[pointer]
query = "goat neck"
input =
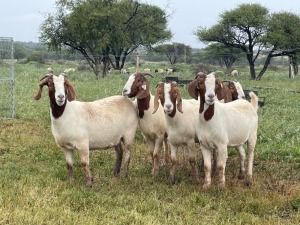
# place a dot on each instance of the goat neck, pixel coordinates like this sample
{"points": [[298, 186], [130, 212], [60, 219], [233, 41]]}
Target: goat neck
{"points": [[143, 104]]}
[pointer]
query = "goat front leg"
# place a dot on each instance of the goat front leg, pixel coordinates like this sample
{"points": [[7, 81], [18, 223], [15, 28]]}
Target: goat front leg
{"points": [[85, 163], [156, 156], [173, 163], [69, 162], [221, 164], [119, 157], [166, 151], [192, 160], [151, 146], [242, 156], [206, 153]]}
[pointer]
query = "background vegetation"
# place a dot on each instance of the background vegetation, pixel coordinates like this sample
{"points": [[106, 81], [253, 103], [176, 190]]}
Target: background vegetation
{"points": [[33, 187]]}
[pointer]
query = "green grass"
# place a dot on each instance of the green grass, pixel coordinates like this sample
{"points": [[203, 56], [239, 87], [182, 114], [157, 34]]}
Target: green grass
{"points": [[33, 174]]}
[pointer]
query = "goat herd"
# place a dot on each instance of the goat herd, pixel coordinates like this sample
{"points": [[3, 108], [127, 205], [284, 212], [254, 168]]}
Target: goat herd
{"points": [[217, 116]]}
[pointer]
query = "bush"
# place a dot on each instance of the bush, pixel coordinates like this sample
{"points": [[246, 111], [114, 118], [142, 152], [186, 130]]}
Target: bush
{"points": [[36, 57]]}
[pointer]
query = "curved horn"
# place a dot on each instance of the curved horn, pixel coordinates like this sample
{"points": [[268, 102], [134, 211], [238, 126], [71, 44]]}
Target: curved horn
{"points": [[148, 74]]}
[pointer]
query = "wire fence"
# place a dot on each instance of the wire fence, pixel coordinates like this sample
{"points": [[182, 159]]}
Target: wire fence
{"points": [[7, 84]]}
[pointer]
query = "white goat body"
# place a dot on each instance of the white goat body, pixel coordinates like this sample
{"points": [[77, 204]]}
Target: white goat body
{"points": [[85, 126], [221, 125], [180, 125], [153, 126], [100, 123]]}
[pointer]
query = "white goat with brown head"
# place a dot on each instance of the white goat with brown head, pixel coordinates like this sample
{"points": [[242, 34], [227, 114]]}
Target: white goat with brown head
{"points": [[152, 125], [181, 116], [221, 125], [86, 126]]}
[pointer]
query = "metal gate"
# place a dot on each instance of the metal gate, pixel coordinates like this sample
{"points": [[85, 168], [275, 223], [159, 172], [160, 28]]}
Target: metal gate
{"points": [[7, 84]]}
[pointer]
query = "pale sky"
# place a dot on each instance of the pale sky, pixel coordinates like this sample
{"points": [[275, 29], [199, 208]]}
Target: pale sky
{"points": [[21, 19]]}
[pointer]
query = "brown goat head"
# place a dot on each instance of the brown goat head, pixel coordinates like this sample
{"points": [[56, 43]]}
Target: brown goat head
{"points": [[169, 96], [48, 80]]}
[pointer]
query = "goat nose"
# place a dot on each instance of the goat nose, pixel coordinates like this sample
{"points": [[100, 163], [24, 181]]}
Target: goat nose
{"points": [[61, 96], [168, 106], [211, 95]]}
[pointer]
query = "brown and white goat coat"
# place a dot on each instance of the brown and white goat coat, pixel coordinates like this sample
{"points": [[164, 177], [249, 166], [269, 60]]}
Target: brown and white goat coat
{"points": [[221, 125], [86, 126], [153, 126], [181, 116]]}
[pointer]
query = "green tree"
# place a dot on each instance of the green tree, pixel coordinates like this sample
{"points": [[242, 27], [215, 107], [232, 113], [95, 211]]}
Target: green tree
{"points": [[174, 52], [225, 55], [98, 28], [19, 51], [240, 28], [252, 29], [283, 37]]}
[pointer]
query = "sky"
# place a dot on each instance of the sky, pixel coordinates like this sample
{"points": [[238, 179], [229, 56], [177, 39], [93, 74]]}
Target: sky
{"points": [[21, 19]]}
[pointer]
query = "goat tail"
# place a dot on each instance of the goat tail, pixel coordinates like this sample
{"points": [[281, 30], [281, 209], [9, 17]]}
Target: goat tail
{"points": [[253, 100]]}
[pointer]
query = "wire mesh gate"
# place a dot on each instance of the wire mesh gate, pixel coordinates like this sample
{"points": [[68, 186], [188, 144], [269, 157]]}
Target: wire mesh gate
{"points": [[7, 84]]}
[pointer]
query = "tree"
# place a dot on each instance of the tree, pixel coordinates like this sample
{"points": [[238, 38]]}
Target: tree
{"points": [[174, 51], [19, 51], [283, 37], [225, 55], [252, 29], [98, 28], [240, 28]]}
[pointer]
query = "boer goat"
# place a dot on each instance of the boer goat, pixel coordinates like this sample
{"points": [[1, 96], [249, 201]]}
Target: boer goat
{"points": [[152, 125], [86, 126], [221, 125], [181, 115]]}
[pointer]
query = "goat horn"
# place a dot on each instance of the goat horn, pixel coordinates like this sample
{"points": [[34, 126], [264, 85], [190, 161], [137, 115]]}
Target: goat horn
{"points": [[145, 74]]}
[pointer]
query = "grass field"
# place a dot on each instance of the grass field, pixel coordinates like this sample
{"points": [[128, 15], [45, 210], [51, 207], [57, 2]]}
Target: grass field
{"points": [[33, 174]]}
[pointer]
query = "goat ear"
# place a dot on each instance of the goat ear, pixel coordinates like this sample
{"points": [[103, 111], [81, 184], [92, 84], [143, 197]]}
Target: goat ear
{"points": [[143, 90], [156, 103], [179, 102], [44, 81], [71, 92], [192, 89]]}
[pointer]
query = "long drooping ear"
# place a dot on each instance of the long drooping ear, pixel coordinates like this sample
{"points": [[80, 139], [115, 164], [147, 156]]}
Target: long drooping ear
{"points": [[43, 82], [156, 103], [143, 90], [192, 88], [219, 83], [71, 92], [179, 101]]}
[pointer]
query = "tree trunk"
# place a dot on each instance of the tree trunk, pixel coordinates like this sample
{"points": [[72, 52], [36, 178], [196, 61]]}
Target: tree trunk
{"points": [[291, 68], [252, 68], [267, 62], [123, 59]]}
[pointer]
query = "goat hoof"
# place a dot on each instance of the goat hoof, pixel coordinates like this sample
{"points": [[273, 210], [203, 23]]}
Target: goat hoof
{"points": [[116, 173], [154, 172], [241, 176], [171, 180], [221, 186], [206, 186], [124, 174], [88, 182], [249, 181]]}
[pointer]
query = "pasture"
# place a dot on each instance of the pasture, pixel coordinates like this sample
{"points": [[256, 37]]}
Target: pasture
{"points": [[33, 173]]}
